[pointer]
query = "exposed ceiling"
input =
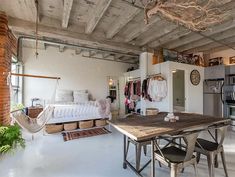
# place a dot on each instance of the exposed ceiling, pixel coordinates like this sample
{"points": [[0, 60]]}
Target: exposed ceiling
{"points": [[115, 25]]}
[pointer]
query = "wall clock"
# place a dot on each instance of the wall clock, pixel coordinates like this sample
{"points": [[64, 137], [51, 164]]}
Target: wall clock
{"points": [[195, 77]]}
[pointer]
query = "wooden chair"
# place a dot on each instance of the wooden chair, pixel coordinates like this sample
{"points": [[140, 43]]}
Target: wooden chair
{"points": [[212, 149], [177, 158]]}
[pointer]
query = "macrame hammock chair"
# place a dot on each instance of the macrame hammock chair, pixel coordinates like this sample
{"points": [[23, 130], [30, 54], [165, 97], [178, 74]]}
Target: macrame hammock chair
{"points": [[34, 125]]}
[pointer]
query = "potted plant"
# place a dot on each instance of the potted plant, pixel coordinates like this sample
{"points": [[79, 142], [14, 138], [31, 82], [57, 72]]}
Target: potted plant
{"points": [[10, 138]]}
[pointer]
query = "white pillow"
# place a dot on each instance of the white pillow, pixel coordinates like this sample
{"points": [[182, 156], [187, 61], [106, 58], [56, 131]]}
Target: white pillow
{"points": [[80, 91], [80, 97], [64, 96]]}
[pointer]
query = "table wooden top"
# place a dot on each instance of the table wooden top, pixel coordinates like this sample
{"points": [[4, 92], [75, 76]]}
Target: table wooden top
{"points": [[146, 127]]}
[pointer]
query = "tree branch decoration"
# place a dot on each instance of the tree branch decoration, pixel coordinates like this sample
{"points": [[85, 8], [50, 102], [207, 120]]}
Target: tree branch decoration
{"points": [[196, 15]]}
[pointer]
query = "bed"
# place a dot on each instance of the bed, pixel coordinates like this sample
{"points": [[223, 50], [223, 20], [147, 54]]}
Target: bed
{"points": [[70, 112], [74, 106]]}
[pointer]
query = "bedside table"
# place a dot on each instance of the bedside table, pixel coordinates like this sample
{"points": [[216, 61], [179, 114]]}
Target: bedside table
{"points": [[33, 112]]}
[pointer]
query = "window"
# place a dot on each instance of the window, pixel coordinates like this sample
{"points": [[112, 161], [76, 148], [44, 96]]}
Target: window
{"points": [[16, 82]]}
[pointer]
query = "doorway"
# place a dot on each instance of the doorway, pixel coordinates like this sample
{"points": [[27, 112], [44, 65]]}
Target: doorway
{"points": [[178, 90]]}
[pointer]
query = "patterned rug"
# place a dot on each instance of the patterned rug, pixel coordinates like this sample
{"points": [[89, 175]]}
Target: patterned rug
{"points": [[84, 133]]}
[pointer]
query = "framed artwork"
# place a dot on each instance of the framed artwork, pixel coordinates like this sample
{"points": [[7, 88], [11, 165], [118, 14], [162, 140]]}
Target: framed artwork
{"points": [[232, 60], [169, 55], [193, 59], [215, 61]]}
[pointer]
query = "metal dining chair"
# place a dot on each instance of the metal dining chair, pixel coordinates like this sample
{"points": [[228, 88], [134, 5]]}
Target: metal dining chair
{"points": [[177, 158], [212, 148]]}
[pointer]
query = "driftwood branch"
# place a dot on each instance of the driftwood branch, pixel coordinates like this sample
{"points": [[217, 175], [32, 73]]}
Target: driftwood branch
{"points": [[190, 13]]}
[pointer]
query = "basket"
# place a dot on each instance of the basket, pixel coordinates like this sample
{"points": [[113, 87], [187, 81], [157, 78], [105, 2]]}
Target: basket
{"points": [[70, 126], [86, 124], [152, 111], [100, 122], [54, 128]]}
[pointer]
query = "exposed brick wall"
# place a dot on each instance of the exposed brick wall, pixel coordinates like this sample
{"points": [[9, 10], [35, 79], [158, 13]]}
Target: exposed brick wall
{"points": [[7, 48]]}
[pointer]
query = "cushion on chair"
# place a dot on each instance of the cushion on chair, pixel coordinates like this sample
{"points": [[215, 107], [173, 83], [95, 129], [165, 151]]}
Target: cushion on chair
{"points": [[207, 145], [173, 154]]}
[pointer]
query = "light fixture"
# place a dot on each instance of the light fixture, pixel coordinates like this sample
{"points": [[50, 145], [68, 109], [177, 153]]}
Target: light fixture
{"points": [[193, 14], [110, 81], [174, 71]]}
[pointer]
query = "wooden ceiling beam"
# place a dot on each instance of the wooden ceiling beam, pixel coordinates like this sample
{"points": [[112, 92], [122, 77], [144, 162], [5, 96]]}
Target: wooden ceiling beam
{"points": [[163, 27], [229, 41], [142, 28], [96, 15], [195, 36], [122, 21], [216, 37], [171, 36], [28, 7], [27, 28], [66, 13], [218, 48]]}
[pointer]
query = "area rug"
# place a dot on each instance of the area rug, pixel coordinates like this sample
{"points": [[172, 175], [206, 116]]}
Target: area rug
{"points": [[84, 133]]}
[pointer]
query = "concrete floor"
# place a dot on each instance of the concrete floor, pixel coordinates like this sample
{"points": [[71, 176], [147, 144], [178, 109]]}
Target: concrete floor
{"points": [[99, 156]]}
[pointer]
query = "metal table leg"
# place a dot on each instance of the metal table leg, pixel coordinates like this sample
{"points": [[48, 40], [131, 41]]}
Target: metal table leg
{"points": [[124, 152], [152, 159], [216, 157]]}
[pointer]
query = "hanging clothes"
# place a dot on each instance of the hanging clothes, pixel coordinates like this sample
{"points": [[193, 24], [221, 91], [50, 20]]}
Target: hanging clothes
{"points": [[157, 89], [154, 88], [132, 92], [145, 87]]}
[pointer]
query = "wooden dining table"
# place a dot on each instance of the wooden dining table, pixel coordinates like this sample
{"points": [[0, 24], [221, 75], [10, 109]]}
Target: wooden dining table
{"points": [[148, 128]]}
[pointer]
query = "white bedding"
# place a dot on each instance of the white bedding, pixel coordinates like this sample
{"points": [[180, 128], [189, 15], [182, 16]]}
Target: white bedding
{"points": [[65, 112]]}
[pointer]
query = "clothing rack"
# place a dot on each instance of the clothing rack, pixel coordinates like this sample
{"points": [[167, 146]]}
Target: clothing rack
{"points": [[133, 79], [158, 75], [152, 75], [35, 76]]}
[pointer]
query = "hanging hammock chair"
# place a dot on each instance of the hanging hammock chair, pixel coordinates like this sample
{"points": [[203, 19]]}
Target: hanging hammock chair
{"points": [[33, 125]]}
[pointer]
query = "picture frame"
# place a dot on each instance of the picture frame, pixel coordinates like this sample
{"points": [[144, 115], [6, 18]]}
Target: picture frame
{"points": [[215, 61], [232, 60]]}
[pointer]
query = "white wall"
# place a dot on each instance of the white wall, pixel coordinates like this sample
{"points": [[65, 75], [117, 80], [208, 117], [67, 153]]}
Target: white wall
{"points": [[193, 94], [76, 72]]}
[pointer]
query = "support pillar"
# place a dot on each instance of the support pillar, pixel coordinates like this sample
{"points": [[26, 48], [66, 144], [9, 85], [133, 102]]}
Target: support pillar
{"points": [[7, 43]]}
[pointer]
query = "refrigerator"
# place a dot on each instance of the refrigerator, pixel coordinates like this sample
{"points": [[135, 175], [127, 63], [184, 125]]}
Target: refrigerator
{"points": [[213, 97]]}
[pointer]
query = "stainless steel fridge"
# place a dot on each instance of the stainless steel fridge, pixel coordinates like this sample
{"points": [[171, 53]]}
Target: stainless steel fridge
{"points": [[212, 97]]}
